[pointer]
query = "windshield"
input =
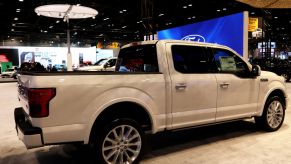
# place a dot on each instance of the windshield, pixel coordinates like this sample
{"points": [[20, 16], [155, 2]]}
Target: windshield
{"points": [[141, 58], [100, 62]]}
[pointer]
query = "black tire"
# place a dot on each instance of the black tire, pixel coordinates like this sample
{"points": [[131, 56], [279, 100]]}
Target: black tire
{"points": [[132, 139], [273, 114]]}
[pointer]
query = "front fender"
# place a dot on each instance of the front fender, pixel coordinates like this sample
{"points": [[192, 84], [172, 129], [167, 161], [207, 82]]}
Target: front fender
{"points": [[265, 92]]}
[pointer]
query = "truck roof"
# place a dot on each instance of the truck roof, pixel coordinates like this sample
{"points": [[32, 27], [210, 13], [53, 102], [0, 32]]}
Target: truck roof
{"points": [[175, 41]]}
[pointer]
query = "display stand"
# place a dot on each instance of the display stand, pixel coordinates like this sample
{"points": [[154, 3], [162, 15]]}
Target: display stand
{"points": [[66, 12]]}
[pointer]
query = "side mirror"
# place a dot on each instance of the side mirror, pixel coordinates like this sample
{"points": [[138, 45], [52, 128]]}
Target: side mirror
{"points": [[106, 65], [256, 70]]}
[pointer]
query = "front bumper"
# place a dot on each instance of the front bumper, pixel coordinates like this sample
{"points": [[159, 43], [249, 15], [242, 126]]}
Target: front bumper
{"points": [[29, 135]]}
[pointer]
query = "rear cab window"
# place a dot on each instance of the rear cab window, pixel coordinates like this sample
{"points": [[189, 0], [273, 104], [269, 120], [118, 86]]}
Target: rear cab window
{"points": [[191, 59], [142, 58]]}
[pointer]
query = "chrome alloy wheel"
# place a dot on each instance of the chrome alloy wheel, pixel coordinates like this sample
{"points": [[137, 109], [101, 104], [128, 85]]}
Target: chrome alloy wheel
{"points": [[122, 145], [275, 114]]}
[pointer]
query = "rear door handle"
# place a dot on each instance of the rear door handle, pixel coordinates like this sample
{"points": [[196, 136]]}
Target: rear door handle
{"points": [[180, 86], [224, 85]]}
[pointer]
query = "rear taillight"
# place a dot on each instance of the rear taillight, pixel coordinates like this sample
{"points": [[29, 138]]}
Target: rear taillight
{"points": [[38, 100]]}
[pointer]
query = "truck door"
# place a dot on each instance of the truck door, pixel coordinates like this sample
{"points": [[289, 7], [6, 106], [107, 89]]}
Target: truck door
{"points": [[237, 89], [194, 87]]}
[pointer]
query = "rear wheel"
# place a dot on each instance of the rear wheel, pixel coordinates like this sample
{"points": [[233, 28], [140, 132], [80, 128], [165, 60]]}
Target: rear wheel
{"points": [[273, 115], [120, 142]]}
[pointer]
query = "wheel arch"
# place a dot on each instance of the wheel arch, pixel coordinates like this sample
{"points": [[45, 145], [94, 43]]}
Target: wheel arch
{"points": [[276, 91], [122, 109]]}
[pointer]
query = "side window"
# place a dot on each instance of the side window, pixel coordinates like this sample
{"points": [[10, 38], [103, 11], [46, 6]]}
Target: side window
{"points": [[227, 62], [190, 59], [111, 62], [141, 58]]}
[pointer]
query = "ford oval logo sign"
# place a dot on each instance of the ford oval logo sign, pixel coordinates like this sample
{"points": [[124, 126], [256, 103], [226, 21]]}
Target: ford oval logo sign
{"points": [[195, 38]]}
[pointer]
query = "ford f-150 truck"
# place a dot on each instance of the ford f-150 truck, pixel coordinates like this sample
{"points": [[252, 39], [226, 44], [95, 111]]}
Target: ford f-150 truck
{"points": [[156, 86]]}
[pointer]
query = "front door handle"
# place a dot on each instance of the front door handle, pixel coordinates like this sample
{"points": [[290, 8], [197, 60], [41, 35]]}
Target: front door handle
{"points": [[180, 86], [224, 85]]}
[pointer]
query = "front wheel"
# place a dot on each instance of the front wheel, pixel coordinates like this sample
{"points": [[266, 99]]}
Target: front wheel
{"points": [[120, 142], [273, 114]]}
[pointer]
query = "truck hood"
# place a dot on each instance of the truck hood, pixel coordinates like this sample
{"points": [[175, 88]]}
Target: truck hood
{"points": [[90, 68], [272, 76]]}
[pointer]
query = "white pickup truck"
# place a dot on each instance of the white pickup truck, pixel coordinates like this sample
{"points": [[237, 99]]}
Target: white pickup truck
{"points": [[157, 86]]}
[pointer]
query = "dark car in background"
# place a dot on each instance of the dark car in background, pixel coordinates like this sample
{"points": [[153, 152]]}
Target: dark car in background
{"points": [[279, 66]]}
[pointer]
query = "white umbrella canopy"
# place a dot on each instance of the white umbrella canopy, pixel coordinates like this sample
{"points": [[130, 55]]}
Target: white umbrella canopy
{"points": [[280, 4], [66, 12]]}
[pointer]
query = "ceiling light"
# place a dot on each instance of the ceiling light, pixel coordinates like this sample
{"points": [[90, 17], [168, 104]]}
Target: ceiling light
{"points": [[45, 31], [51, 26], [16, 18], [190, 5], [17, 10], [84, 29], [93, 25], [218, 10], [13, 24], [224, 9], [193, 17], [124, 26], [189, 18], [57, 21], [276, 17], [184, 7], [12, 29], [282, 28], [252, 13], [120, 12], [20, 0], [124, 10], [161, 14]]}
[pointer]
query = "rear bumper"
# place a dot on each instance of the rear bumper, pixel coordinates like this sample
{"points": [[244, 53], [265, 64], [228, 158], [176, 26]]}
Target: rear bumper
{"points": [[29, 135]]}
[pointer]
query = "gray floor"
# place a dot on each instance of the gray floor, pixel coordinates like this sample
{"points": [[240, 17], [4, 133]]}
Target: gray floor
{"points": [[239, 142], [7, 80]]}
